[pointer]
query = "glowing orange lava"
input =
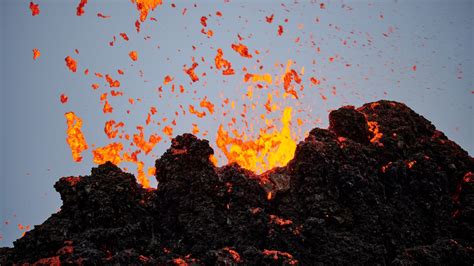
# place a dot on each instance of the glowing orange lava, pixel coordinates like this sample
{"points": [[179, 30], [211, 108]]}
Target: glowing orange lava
{"points": [[36, 54], [144, 6], [242, 50], [223, 64], [71, 63], [75, 138], [269, 150], [190, 72], [133, 55], [374, 128], [35, 10], [109, 153], [80, 7]]}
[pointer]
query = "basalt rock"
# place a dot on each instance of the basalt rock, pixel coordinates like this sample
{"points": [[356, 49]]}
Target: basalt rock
{"points": [[380, 186]]}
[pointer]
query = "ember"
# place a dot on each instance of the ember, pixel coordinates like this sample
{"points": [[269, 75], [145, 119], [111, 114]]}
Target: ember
{"points": [[71, 64], [36, 54], [35, 10]]}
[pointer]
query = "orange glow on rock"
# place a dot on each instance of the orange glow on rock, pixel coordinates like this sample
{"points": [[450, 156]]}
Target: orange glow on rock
{"points": [[275, 254], [374, 128], [213, 160], [23, 229], [75, 137]]}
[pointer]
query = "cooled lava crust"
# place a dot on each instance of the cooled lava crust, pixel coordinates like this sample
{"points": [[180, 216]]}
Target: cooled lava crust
{"points": [[396, 191]]}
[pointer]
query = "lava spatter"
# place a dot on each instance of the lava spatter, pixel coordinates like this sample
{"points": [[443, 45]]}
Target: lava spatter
{"points": [[75, 137]]}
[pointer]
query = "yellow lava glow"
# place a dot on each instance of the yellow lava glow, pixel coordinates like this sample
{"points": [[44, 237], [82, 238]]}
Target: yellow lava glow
{"points": [[75, 138], [269, 150], [109, 153]]}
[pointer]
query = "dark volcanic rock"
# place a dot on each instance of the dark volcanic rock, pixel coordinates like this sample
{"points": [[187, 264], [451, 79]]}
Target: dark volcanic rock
{"points": [[349, 123], [380, 186]]}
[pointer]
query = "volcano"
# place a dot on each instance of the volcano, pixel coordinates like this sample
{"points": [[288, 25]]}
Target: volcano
{"points": [[380, 186]]}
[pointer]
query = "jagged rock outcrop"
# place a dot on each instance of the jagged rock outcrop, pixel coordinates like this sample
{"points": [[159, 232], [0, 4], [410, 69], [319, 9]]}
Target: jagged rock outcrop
{"points": [[380, 186]]}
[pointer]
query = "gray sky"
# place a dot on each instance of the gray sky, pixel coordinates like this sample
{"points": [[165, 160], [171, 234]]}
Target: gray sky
{"points": [[436, 36]]}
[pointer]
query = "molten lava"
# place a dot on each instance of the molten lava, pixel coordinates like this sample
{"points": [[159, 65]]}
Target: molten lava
{"points": [[269, 150], [144, 6], [36, 54], [35, 9], [75, 137]]}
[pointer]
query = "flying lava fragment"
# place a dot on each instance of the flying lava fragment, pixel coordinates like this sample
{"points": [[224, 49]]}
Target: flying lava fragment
{"points": [[269, 19], [35, 10], [124, 36], [71, 63], [36, 54], [63, 98], [242, 50], [223, 64], [207, 104], [144, 6], [80, 7], [191, 73], [280, 30], [75, 137], [133, 55]]}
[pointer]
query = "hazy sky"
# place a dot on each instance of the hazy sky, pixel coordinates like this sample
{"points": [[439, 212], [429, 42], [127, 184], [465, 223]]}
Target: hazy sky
{"points": [[374, 45]]}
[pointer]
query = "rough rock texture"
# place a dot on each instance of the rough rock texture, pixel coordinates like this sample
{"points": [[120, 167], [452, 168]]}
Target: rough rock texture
{"points": [[380, 186]]}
